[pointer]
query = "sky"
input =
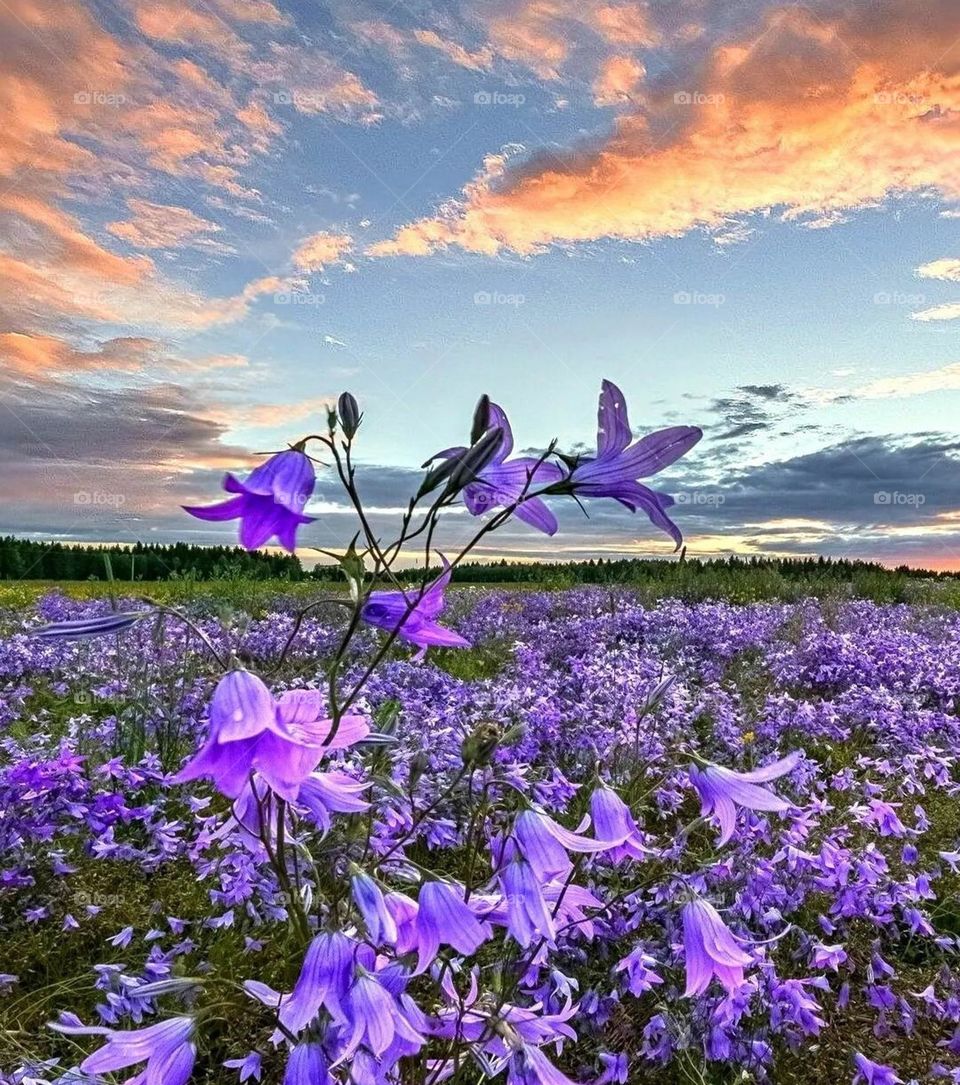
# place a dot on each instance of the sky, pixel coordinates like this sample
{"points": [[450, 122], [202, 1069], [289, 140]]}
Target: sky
{"points": [[216, 215]]}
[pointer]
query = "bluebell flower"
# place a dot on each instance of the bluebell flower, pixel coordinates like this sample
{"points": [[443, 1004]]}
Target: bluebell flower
{"points": [[270, 502], [618, 464]]}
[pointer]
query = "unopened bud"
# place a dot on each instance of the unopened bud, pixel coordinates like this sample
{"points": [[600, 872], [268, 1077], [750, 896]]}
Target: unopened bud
{"points": [[481, 419], [418, 766], [349, 413], [477, 456], [478, 746]]}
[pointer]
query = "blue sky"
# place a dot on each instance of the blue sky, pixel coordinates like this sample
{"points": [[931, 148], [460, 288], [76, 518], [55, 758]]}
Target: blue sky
{"points": [[214, 216]]}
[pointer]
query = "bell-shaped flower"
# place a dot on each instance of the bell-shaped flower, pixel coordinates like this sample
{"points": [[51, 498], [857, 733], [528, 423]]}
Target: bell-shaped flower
{"points": [[167, 1048], [612, 821], [502, 482], [371, 904], [375, 1019], [710, 949], [618, 464], [283, 740], [413, 616], [544, 844], [873, 1073], [527, 914], [722, 790], [270, 502], [443, 918], [323, 982], [97, 626], [323, 793], [307, 1065]]}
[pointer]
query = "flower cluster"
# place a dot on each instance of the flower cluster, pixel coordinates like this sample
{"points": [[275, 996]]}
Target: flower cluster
{"points": [[547, 876]]}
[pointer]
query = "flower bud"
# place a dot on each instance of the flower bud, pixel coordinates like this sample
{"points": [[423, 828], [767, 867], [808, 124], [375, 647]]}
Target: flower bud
{"points": [[481, 419], [473, 461], [349, 413], [479, 745], [436, 475]]}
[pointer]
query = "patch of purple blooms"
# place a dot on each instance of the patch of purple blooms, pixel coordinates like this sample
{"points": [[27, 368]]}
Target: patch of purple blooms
{"points": [[409, 876]]}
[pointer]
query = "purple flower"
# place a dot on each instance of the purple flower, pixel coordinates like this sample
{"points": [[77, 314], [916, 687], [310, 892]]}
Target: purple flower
{"points": [[165, 1047], [414, 616], [375, 1020], [307, 1065], [527, 911], [323, 981], [618, 463], [615, 1069], [710, 950], [544, 844], [612, 821], [82, 628], [721, 790], [248, 1067], [323, 793], [500, 483], [444, 919], [283, 739], [269, 503], [873, 1073], [371, 904]]}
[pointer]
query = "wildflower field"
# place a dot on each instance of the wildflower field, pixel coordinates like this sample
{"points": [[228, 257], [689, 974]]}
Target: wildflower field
{"points": [[127, 902], [403, 833]]}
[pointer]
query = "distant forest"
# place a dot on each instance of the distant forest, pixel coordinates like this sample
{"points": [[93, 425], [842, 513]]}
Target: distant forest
{"points": [[24, 559]]}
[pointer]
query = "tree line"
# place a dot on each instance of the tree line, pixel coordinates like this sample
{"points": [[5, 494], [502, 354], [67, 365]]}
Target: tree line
{"points": [[26, 559]]}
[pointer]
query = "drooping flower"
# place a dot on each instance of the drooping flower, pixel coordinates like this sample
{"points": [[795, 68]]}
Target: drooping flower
{"points": [[544, 844], [501, 482], [722, 790], [370, 902], [248, 1068], [323, 981], [269, 503], [283, 740], [167, 1049], [307, 1065], [97, 626], [527, 914], [414, 615], [323, 793], [443, 918], [710, 949], [612, 821], [873, 1073], [618, 464]]}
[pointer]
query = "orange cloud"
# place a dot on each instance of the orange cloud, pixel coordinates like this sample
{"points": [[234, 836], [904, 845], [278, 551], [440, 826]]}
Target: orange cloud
{"points": [[618, 81], [323, 248], [161, 226], [42, 355], [477, 61], [809, 116]]}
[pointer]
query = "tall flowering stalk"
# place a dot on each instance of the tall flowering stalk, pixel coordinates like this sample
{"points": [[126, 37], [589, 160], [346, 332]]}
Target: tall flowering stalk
{"points": [[409, 972]]}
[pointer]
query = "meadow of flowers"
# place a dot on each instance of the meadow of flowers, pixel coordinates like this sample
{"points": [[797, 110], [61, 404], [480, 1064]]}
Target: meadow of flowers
{"points": [[410, 835]]}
